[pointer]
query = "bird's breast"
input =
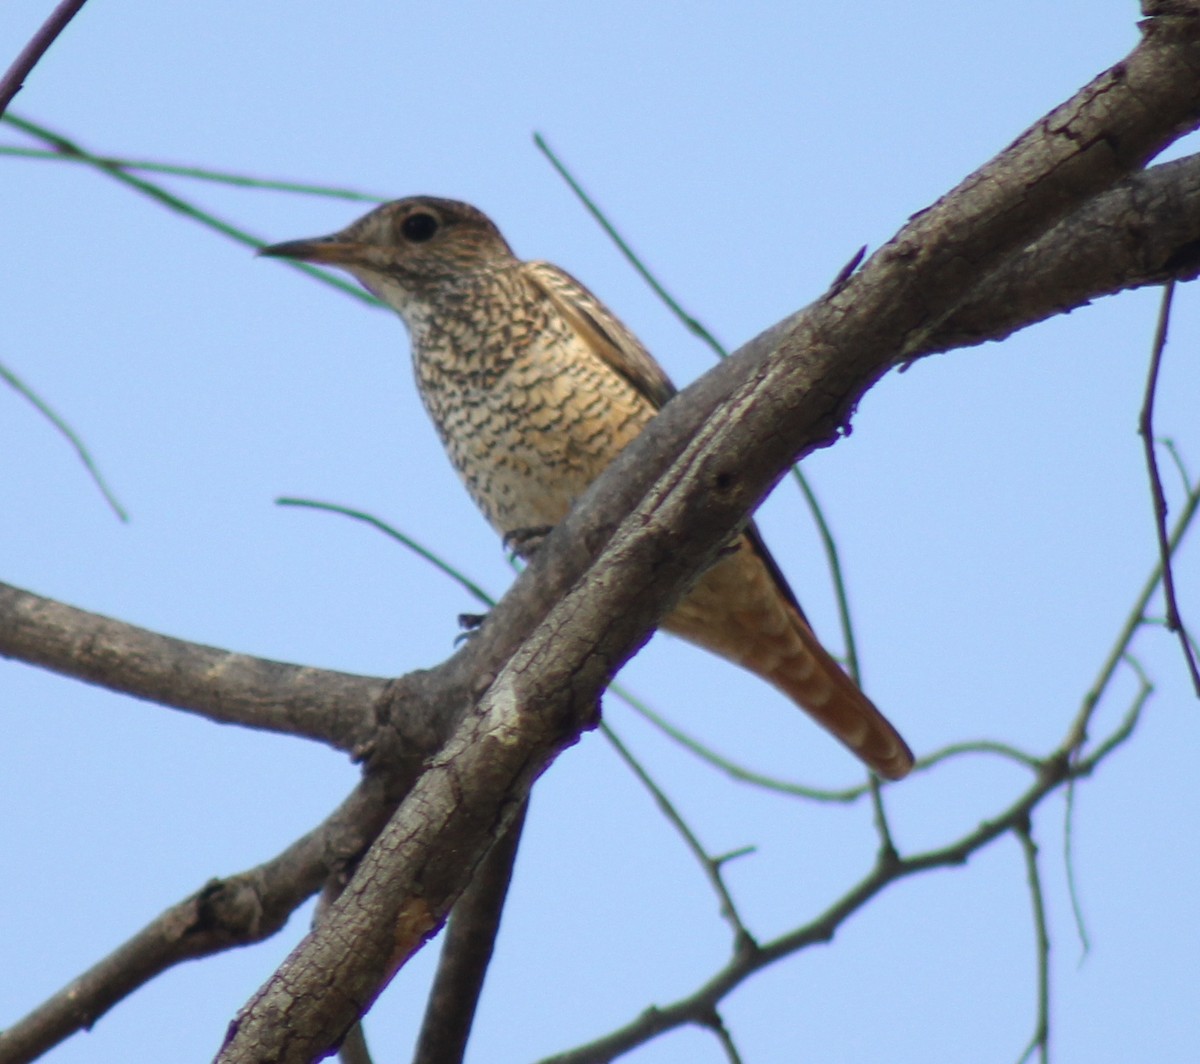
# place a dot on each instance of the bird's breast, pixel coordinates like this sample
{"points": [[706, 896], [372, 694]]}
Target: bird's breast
{"points": [[529, 427]]}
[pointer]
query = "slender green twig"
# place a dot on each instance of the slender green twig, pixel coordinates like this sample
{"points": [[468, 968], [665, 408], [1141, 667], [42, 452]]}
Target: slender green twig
{"points": [[978, 746], [692, 324], [198, 173], [1134, 621], [887, 845], [731, 768], [71, 436], [430, 556], [1123, 731], [70, 150], [833, 561], [1185, 478], [711, 865]]}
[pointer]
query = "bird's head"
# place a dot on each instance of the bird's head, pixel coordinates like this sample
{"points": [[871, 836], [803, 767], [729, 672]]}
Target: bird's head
{"points": [[406, 250]]}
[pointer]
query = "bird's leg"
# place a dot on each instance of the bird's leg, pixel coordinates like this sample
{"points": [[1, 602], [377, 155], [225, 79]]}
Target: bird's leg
{"points": [[470, 623], [524, 542]]}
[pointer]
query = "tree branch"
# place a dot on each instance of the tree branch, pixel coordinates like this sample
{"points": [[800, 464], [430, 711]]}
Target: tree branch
{"points": [[466, 953], [339, 709], [789, 392], [14, 77], [231, 911]]}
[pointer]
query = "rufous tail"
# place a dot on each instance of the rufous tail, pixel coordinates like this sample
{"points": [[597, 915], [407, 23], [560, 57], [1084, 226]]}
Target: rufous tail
{"points": [[743, 610]]}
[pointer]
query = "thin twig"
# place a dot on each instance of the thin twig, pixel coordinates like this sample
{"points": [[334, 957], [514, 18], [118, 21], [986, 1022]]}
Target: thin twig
{"points": [[71, 436], [430, 556], [716, 1024], [69, 149], [833, 562], [1134, 621], [1040, 1040], [14, 77], [978, 746], [1123, 731], [743, 940], [198, 173], [887, 846], [692, 324], [1185, 477], [731, 768], [1146, 430]]}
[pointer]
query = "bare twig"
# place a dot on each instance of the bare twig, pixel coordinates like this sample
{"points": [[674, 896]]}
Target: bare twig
{"points": [[1135, 620], [743, 940], [978, 746], [731, 768], [1129, 722], [1174, 621], [197, 173], [716, 1024], [1039, 1042], [692, 324], [72, 438], [887, 847], [70, 149], [434, 559], [14, 77]]}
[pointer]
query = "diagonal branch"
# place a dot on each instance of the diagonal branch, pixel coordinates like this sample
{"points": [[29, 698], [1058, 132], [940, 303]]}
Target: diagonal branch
{"points": [[14, 77], [723, 444], [231, 911]]}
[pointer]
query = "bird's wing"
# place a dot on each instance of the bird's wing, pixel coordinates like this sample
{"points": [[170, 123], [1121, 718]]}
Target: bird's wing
{"points": [[614, 343], [621, 350]]}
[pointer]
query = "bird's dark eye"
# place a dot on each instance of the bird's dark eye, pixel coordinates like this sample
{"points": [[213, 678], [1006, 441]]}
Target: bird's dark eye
{"points": [[419, 227]]}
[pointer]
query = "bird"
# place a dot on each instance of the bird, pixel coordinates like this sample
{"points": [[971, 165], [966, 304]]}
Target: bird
{"points": [[534, 386]]}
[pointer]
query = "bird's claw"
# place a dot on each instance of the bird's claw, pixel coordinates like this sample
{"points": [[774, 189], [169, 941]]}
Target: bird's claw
{"points": [[524, 542], [470, 623]]}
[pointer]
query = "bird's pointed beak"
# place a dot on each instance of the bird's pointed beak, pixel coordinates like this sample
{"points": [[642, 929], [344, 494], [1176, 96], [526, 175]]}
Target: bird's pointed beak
{"points": [[331, 250]]}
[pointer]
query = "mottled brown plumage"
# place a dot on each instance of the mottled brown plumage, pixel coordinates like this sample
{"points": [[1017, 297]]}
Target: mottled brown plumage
{"points": [[534, 387]]}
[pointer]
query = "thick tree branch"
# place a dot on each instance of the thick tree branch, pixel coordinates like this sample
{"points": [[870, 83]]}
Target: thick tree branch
{"points": [[1144, 231], [332, 707], [466, 953], [232, 911], [782, 402]]}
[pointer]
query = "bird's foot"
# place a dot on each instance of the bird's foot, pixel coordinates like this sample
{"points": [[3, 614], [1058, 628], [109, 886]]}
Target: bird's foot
{"points": [[524, 542], [470, 623]]}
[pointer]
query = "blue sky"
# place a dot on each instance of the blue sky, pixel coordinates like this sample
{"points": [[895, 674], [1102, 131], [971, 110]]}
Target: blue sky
{"points": [[991, 506]]}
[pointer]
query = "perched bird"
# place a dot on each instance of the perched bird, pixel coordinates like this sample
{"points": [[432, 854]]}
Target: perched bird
{"points": [[534, 387]]}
